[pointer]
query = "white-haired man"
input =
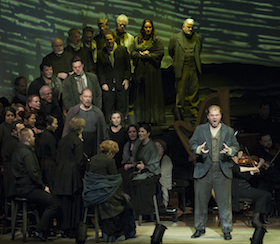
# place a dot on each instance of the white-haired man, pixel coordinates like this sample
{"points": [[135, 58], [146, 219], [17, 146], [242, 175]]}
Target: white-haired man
{"points": [[185, 48], [123, 38]]}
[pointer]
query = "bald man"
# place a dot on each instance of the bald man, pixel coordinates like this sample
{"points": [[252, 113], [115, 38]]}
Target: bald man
{"points": [[59, 59]]}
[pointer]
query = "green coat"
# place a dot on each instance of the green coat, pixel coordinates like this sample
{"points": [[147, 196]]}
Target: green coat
{"points": [[176, 51]]}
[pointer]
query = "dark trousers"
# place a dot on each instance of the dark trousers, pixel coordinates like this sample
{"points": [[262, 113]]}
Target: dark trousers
{"points": [[114, 100], [49, 204], [261, 198], [222, 187]]}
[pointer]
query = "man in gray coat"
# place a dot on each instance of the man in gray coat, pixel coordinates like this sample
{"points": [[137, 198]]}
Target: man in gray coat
{"points": [[214, 143], [185, 48], [74, 84]]}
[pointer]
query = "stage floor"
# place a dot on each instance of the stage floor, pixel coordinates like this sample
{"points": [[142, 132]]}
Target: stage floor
{"points": [[181, 232]]}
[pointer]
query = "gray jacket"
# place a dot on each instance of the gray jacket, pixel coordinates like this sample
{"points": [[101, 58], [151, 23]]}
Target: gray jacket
{"points": [[71, 96], [201, 134]]}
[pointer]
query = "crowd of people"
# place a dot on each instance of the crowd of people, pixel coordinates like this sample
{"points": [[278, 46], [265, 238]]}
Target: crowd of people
{"points": [[64, 138]]}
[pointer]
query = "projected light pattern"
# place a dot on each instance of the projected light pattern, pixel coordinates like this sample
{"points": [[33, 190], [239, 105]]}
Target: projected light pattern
{"points": [[233, 30]]}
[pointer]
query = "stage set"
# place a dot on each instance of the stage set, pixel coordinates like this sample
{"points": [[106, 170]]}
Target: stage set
{"points": [[240, 53]]}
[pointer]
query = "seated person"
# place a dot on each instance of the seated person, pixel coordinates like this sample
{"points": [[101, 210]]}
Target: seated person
{"points": [[102, 187], [145, 179], [267, 149], [241, 188], [128, 162], [29, 184], [166, 167], [264, 121]]}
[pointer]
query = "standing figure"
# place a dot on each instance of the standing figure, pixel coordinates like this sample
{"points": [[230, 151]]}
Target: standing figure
{"points": [[185, 48], [59, 60], [74, 84], [68, 182], [214, 143], [114, 74], [103, 25], [47, 151], [76, 48], [90, 44], [147, 53], [95, 130], [123, 38]]}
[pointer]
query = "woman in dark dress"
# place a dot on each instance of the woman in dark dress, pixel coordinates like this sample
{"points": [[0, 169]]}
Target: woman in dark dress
{"points": [[47, 151], [103, 188], [147, 53], [117, 133], [69, 174]]}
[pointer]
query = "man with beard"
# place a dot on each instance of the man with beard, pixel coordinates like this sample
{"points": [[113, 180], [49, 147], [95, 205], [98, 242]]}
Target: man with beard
{"points": [[59, 59], [76, 48], [214, 143], [29, 182], [77, 82], [123, 38], [185, 48], [47, 78], [95, 130]]}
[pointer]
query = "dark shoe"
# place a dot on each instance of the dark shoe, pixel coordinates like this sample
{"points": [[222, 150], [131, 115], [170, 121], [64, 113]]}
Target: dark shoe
{"points": [[40, 236], [198, 233], [227, 236], [265, 221]]}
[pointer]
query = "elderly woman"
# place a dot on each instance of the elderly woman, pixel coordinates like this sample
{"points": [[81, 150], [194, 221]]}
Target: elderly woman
{"points": [[148, 173], [68, 182], [103, 188], [147, 53]]}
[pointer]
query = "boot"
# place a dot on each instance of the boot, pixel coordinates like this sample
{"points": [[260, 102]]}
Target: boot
{"points": [[258, 235], [158, 234]]}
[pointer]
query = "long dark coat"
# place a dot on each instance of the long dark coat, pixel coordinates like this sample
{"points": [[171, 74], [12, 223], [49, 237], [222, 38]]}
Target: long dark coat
{"points": [[70, 169], [149, 101]]}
